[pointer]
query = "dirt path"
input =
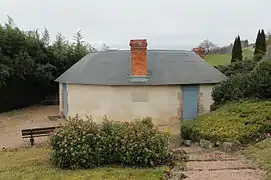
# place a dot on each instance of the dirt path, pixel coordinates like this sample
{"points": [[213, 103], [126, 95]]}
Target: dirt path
{"points": [[216, 165], [11, 124]]}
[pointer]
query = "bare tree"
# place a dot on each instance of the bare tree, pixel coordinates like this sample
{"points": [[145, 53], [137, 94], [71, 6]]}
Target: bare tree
{"points": [[78, 38], [245, 43], [92, 49], [104, 47], [100, 48], [11, 22], [207, 45]]}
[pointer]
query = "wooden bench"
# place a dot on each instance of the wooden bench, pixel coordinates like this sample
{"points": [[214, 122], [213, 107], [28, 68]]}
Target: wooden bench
{"points": [[37, 132]]}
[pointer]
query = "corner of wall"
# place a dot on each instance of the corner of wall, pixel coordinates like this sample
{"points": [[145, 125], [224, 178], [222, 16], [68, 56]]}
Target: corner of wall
{"points": [[180, 98], [200, 105], [60, 98], [205, 98]]}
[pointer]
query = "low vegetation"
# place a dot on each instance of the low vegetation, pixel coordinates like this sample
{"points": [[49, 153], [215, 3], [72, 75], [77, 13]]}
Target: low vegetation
{"points": [[237, 67], [86, 144], [242, 122], [34, 163], [248, 53], [244, 83], [261, 154]]}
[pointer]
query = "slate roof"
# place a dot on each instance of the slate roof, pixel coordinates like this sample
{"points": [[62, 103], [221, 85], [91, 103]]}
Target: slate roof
{"points": [[165, 67]]}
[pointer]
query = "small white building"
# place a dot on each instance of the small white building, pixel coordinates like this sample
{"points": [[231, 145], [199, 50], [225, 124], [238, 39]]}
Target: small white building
{"points": [[167, 85]]}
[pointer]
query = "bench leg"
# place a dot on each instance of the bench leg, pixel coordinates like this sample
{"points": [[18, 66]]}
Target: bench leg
{"points": [[32, 141]]}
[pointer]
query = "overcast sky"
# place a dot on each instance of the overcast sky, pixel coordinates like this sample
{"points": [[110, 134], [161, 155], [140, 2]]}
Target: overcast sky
{"points": [[178, 24]]}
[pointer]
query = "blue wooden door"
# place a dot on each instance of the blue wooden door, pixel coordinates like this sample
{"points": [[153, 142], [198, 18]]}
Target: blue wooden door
{"points": [[65, 100], [190, 102]]}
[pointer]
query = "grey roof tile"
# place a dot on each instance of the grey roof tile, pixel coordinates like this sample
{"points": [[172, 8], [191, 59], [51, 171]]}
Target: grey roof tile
{"points": [[165, 67]]}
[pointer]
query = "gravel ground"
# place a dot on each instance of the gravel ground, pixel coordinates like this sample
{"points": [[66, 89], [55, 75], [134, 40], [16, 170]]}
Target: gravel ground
{"points": [[11, 124]]}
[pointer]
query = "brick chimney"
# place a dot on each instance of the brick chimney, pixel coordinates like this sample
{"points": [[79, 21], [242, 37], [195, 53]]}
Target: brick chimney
{"points": [[199, 51], [138, 57]]}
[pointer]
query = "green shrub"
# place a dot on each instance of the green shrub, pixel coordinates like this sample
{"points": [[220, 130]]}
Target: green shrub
{"points": [[188, 130], [147, 121], [242, 86], [260, 153], [86, 144], [237, 121], [237, 67]]}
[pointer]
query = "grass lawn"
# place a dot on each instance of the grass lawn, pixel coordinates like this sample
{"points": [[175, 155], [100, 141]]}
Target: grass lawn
{"points": [[33, 164], [218, 59], [248, 52], [261, 153], [222, 59]]}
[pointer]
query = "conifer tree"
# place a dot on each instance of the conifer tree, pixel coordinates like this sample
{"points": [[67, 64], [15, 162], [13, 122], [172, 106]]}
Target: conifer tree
{"points": [[46, 37], [263, 42], [237, 50], [260, 46], [233, 53], [257, 44]]}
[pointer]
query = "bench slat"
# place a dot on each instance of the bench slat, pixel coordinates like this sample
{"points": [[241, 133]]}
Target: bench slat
{"points": [[37, 131], [40, 135]]}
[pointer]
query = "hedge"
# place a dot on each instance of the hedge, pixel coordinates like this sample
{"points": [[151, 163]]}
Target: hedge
{"points": [[236, 121]]}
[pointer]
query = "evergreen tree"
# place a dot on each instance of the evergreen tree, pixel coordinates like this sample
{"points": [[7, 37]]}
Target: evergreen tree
{"points": [[263, 42], [257, 44], [237, 50], [260, 46], [233, 54], [46, 37], [29, 63]]}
